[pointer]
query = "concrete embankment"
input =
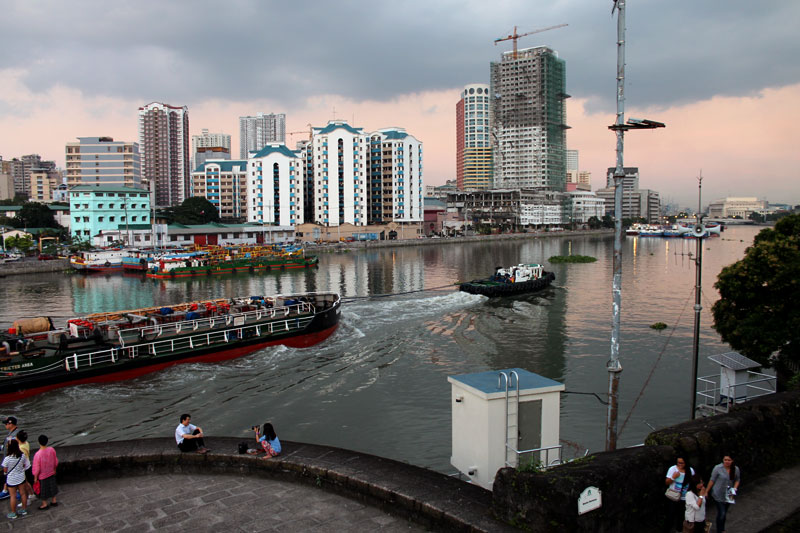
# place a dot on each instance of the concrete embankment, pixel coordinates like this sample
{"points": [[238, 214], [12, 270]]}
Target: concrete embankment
{"points": [[34, 267], [424, 497], [358, 245]]}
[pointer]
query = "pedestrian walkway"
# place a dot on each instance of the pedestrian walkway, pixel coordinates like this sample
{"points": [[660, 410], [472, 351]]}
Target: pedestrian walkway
{"points": [[196, 502], [763, 502]]}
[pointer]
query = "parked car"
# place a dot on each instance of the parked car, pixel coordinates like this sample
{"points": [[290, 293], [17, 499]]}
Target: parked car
{"points": [[46, 257]]}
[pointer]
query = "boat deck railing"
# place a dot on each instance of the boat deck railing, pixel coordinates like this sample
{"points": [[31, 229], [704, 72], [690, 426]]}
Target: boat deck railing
{"points": [[714, 398], [218, 338], [154, 331]]}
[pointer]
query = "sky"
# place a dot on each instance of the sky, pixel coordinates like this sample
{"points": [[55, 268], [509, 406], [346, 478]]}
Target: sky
{"points": [[723, 75]]}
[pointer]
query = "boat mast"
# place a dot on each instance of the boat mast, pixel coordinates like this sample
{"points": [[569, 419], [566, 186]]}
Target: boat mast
{"points": [[699, 233]]}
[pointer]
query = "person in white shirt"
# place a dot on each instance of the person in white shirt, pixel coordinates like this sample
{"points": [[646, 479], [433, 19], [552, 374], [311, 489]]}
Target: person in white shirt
{"points": [[695, 518], [189, 437]]}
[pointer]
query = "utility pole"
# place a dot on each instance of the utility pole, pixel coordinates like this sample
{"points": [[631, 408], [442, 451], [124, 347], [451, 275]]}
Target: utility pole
{"points": [[613, 365], [699, 233]]}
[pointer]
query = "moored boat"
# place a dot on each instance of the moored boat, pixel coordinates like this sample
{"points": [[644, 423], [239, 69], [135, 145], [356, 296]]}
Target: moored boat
{"points": [[98, 260], [35, 357], [224, 261], [517, 279]]}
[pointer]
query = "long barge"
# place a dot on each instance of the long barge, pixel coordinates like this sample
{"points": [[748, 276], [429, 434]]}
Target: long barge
{"points": [[36, 357]]}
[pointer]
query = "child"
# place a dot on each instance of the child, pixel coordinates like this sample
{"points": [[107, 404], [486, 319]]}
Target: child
{"points": [[14, 466], [44, 471]]}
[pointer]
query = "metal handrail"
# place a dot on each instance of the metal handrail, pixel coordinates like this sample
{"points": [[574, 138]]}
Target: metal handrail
{"points": [[547, 463], [154, 348], [715, 400], [209, 322]]}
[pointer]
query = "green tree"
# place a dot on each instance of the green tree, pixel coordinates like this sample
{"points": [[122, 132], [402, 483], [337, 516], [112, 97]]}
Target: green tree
{"points": [[35, 215], [23, 244], [757, 313], [757, 217], [594, 223], [194, 210], [608, 221]]}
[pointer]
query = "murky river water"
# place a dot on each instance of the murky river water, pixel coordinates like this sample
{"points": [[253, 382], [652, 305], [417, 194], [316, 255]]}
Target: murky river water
{"points": [[379, 384]]}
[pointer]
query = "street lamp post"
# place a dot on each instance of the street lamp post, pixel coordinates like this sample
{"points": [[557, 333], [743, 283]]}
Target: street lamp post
{"points": [[613, 365]]}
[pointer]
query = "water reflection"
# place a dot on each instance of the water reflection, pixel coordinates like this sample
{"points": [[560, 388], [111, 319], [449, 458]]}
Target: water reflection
{"points": [[387, 365]]}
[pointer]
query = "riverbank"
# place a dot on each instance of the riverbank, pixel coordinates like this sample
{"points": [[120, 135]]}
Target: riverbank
{"points": [[360, 245], [32, 266]]}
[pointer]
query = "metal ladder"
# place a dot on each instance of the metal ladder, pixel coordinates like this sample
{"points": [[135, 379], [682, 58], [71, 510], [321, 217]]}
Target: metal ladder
{"points": [[509, 381]]}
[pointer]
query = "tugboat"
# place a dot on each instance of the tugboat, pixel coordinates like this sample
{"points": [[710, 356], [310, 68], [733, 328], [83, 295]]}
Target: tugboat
{"points": [[35, 356], [517, 279]]}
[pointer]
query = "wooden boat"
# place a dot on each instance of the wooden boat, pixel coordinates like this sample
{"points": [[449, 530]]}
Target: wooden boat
{"points": [[519, 279], [224, 261], [35, 357]]}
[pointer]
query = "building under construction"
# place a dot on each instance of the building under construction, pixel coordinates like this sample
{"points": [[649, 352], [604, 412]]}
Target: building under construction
{"points": [[528, 119]]}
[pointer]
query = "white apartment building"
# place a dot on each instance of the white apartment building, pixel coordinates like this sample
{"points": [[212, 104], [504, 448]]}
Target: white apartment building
{"points": [[395, 177], [338, 162], [258, 131], [275, 188]]}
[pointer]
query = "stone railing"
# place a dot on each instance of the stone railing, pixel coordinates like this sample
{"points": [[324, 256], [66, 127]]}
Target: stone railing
{"points": [[761, 435]]}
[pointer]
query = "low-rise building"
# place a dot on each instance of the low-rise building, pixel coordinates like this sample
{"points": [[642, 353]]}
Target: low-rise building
{"points": [[585, 205], [98, 209], [740, 207]]}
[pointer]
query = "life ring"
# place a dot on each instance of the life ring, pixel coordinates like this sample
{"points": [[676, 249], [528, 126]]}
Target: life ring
{"points": [[106, 264]]}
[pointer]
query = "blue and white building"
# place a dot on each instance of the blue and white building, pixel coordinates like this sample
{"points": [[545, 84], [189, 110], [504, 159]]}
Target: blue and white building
{"points": [[338, 174], [224, 184], [395, 177], [275, 187]]}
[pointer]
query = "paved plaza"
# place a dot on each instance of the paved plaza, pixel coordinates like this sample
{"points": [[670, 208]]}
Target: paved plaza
{"points": [[194, 502]]}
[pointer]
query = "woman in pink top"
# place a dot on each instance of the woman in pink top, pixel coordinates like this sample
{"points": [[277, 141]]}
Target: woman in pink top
{"points": [[44, 471]]}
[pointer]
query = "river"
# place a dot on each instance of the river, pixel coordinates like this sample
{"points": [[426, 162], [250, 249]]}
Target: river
{"points": [[379, 384]]}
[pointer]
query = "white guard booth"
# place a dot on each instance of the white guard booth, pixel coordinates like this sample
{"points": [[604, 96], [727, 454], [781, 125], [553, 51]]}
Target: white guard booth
{"points": [[503, 418]]}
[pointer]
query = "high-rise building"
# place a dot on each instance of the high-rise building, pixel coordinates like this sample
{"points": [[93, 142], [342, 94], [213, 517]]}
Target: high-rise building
{"points": [[275, 188], [339, 158], [629, 182], [473, 146], [395, 178], [21, 171], [102, 161], [258, 131], [210, 146], [528, 119], [224, 184], [164, 145], [6, 180], [572, 160]]}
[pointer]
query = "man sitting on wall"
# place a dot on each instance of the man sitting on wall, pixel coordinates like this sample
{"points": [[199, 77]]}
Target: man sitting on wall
{"points": [[189, 437]]}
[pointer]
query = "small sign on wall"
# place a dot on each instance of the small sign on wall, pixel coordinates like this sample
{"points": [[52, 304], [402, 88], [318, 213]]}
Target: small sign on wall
{"points": [[589, 500]]}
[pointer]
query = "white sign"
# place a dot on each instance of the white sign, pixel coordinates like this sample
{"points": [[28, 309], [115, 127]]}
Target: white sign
{"points": [[589, 500]]}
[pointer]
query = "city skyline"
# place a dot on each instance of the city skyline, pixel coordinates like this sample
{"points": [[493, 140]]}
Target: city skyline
{"points": [[707, 70]]}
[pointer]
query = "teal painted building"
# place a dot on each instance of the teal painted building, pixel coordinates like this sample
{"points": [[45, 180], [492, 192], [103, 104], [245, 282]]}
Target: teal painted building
{"points": [[95, 210]]}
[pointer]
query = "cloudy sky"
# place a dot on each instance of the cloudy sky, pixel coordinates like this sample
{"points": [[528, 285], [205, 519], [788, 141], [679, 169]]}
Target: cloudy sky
{"points": [[724, 76]]}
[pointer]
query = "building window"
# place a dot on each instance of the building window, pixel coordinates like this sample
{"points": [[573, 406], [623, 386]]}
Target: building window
{"points": [[111, 219], [99, 219]]}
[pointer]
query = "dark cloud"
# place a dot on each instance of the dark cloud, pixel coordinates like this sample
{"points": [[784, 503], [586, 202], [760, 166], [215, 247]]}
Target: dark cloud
{"points": [[190, 51]]}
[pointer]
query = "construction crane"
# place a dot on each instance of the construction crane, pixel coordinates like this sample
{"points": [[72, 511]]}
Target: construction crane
{"points": [[308, 132], [514, 36]]}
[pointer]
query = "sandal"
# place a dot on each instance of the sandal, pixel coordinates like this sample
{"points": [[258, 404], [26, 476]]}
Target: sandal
{"points": [[46, 507]]}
